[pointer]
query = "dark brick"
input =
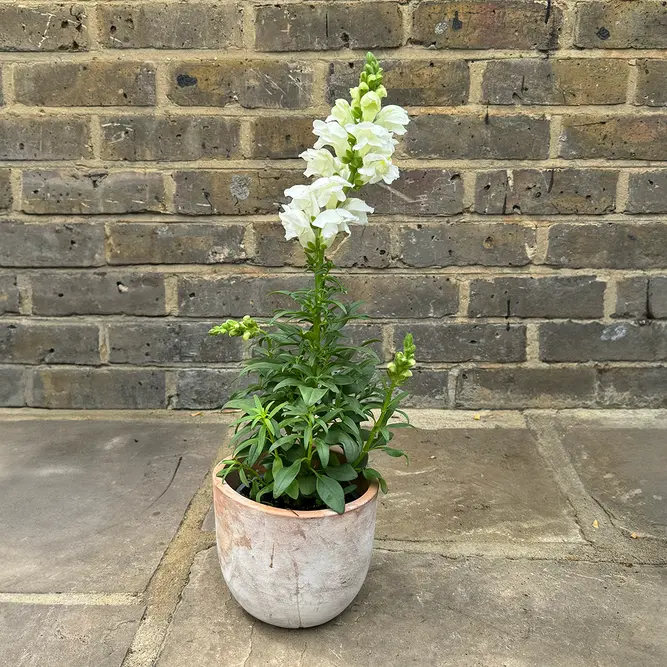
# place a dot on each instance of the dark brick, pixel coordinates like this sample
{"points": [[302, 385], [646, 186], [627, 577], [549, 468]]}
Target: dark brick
{"points": [[465, 244], [98, 389], [238, 192], [632, 297], [614, 138], [169, 138], [657, 296], [175, 243], [167, 342], [12, 386], [46, 138], [42, 343], [428, 389], [465, 342], [368, 247], [478, 137], [249, 83], [512, 388], [356, 333], [552, 296], [91, 192], [319, 27], [91, 84], [503, 24], [281, 137], [98, 293], [51, 244], [621, 25], [608, 245], [592, 341], [418, 192], [2, 99], [170, 26], [651, 90], [408, 82], [9, 294], [546, 192], [648, 192], [205, 388], [43, 27], [5, 190], [644, 387]]}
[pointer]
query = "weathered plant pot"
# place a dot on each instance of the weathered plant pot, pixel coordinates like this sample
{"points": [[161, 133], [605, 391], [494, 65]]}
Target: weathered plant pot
{"points": [[293, 569]]}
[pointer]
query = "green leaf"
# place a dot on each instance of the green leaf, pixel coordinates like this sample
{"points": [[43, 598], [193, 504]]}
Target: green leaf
{"points": [[396, 453], [307, 485], [284, 477], [266, 489], [331, 493], [342, 473], [311, 395], [371, 474], [322, 452], [293, 490]]}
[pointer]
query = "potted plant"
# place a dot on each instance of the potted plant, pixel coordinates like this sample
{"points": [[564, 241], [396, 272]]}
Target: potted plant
{"points": [[295, 503]]}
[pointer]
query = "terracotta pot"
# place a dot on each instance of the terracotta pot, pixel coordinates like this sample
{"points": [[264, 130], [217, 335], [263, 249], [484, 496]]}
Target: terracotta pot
{"points": [[288, 568]]}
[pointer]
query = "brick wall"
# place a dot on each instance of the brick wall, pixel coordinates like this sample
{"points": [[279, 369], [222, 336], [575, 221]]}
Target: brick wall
{"points": [[144, 147]]}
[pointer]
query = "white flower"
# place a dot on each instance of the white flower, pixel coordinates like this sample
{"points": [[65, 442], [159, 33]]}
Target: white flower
{"points": [[393, 118], [331, 134], [342, 113], [303, 199], [322, 163], [297, 225], [328, 192], [359, 209], [333, 221], [370, 106], [372, 138], [378, 168]]}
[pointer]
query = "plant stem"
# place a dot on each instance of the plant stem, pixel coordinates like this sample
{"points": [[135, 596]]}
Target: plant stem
{"points": [[383, 417]]}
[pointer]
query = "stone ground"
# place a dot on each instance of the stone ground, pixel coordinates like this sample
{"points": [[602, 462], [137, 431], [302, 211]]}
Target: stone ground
{"points": [[518, 539]]}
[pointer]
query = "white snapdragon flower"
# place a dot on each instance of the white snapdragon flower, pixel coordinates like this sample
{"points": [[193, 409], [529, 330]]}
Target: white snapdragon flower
{"points": [[359, 208], [303, 199], [372, 138], [297, 225], [333, 221], [329, 192], [370, 106], [331, 134], [322, 163], [378, 167], [393, 118], [341, 113]]}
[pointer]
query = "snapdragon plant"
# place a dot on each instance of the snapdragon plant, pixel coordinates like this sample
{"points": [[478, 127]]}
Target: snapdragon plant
{"points": [[319, 405]]}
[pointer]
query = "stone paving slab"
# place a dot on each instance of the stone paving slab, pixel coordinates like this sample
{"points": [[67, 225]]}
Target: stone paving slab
{"points": [[90, 506], [66, 636], [427, 610], [471, 484]]}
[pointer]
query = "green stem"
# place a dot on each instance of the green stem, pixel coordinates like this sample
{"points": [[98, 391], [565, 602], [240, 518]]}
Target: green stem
{"points": [[382, 419]]}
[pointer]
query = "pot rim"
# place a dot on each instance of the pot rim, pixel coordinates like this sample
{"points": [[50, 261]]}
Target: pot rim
{"points": [[368, 496]]}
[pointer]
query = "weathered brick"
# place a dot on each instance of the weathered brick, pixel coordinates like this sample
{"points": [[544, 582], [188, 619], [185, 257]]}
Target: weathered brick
{"points": [[356, 333], [51, 244], [44, 138], [418, 192], [169, 138], [167, 342], [511, 388], [98, 389], [420, 296], [563, 81], [9, 294], [647, 192], [161, 25], [621, 25], [608, 245], [319, 27], [552, 296], [91, 192], [657, 296], [93, 83], [98, 293], [12, 386], [2, 98], [546, 192], [49, 343], [281, 137], [644, 387], [632, 297], [5, 190], [368, 247], [465, 244], [651, 90], [477, 137], [503, 24], [428, 389], [465, 342], [205, 388], [408, 82], [43, 27], [238, 192], [175, 243], [250, 83], [614, 137], [592, 341]]}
